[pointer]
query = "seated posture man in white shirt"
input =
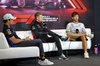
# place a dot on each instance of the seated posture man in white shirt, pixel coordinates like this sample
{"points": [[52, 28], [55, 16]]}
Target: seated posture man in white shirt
{"points": [[76, 32]]}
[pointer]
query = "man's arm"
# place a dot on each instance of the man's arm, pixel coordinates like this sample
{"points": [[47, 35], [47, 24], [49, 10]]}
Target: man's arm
{"points": [[34, 31], [14, 40], [75, 35]]}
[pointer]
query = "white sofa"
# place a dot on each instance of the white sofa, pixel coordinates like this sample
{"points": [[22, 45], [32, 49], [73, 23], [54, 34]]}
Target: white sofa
{"points": [[7, 52], [66, 45]]}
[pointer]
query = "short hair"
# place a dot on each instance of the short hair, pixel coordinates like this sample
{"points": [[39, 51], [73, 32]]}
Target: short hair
{"points": [[74, 13], [37, 14], [4, 21]]}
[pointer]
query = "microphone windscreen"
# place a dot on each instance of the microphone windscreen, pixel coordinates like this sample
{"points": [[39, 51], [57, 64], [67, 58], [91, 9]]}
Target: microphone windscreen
{"points": [[77, 31]]}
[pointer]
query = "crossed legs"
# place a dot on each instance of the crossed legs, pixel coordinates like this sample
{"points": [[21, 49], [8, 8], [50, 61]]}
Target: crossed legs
{"points": [[73, 37]]}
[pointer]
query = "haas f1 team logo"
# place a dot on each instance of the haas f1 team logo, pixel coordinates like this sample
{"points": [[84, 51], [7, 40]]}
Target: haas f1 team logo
{"points": [[24, 18]]}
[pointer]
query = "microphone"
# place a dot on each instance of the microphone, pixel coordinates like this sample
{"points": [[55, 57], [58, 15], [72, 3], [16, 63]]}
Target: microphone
{"points": [[77, 31]]}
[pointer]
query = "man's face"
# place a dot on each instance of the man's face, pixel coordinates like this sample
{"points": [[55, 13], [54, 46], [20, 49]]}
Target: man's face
{"points": [[10, 21], [75, 18], [40, 18]]}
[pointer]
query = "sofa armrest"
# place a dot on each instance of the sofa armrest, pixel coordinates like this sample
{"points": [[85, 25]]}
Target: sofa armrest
{"points": [[19, 52]]}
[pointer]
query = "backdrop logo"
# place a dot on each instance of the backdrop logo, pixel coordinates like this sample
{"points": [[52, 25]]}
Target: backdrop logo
{"points": [[29, 18], [24, 18], [77, 4]]}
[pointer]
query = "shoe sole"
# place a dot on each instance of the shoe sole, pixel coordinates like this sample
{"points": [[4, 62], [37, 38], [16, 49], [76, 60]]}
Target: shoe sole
{"points": [[46, 64], [86, 57], [62, 59]]}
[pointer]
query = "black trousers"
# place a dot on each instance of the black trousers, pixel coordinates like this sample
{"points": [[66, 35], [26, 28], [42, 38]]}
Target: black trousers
{"points": [[55, 38], [35, 42]]}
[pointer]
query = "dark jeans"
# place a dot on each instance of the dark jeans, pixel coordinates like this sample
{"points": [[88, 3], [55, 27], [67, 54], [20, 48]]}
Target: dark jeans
{"points": [[35, 42], [55, 38]]}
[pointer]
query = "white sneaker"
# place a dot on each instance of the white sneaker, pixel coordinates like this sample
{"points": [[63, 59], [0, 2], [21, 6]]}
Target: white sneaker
{"points": [[64, 38], [90, 35], [86, 55], [46, 62], [39, 61]]}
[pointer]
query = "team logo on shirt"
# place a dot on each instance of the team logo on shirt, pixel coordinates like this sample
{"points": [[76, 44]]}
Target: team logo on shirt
{"points": [[8, 31], [38, 26], [33, 28]]}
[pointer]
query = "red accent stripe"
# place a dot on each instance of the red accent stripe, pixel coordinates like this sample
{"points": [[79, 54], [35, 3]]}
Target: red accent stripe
{"points": [[19, 20], [42, 22], [81, 4], [22, 16], [71, 3], [34, 35], [30, 19], [76, 4], [59, 18]]}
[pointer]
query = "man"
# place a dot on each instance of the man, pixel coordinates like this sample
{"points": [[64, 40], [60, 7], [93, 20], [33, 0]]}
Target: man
{"points": [[76, 32], [41, 32], [15, 41]]}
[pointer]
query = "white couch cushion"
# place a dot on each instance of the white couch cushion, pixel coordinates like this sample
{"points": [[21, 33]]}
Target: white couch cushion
{"points": [[3, 41], [7, 52], [70, 44], [46, 47], [19, 52], [24, 34], [66, 45]]}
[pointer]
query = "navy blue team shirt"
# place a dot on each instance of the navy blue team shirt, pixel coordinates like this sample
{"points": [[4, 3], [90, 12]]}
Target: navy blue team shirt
{"points": [[9, 32]]}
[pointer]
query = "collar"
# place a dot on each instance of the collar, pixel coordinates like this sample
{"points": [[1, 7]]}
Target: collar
{"points": [[38, 22], [7, 26]]}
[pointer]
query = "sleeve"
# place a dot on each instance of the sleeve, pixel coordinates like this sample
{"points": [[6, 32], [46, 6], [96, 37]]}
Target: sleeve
{"points": [[83, 28], [17, 37], [68, 28], [34, 31], [9, 33]]}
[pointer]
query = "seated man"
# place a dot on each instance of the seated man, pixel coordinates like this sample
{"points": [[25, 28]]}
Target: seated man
{"points": [[15, 41], [41, 32], [76, 32]]}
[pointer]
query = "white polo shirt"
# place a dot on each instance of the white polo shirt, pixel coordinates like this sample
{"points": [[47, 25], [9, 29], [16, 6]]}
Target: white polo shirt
{"points": [[71, 27]]}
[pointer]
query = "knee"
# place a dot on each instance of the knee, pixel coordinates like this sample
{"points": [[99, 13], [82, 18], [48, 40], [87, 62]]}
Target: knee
{"points": [[39, 41], [83, 37], [55, 37]]}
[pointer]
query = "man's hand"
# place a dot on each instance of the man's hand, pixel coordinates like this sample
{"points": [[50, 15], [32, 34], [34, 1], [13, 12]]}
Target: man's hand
{"points": [[27, 38]]}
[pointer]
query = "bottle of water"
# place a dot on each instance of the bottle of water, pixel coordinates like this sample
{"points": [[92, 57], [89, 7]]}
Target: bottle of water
{"points": [[96, 49]]}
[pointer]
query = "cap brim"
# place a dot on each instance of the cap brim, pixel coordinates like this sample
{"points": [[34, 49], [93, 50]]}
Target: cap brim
{"points": [[13, 18]]}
